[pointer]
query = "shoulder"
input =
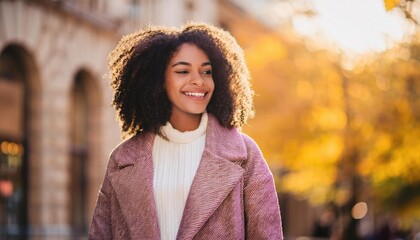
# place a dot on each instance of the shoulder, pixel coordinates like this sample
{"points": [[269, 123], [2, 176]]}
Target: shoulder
{"points": [[253, 151], [256, 167], [225, 143], [249, 142], [231, 143]]}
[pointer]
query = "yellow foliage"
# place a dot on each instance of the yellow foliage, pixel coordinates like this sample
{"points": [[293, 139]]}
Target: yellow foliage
{"points": [[311, 182], [329, 118], [391, 4], [266, 50], [406, 159], [303, 63], [314, 168], [358, 91], [304, 110], [379, 148], [301, 118], [304, 89], [387, 161]]}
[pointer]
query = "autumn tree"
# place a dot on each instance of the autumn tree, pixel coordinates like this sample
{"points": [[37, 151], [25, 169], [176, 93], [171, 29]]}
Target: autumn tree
{"points": [[340, 136], [335, 135]]}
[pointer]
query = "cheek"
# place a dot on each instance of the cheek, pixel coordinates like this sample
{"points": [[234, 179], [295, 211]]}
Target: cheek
{"points": [[170, 88], [168, 83], [212, 85]]}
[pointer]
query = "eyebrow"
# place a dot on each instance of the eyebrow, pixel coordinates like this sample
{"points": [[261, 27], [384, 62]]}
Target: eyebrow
{"points": [[189, 64]]}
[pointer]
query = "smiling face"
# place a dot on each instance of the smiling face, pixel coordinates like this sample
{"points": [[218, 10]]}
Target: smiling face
{"points": [[189, 85]]}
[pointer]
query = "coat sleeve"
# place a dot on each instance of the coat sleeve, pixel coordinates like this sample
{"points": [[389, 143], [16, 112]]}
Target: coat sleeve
{"points": [[101, 226], [262, 211]]}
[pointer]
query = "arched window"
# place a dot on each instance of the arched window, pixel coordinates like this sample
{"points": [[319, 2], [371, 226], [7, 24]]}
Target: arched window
{"points": [[79, 153], [14, 99], [84, 144]]}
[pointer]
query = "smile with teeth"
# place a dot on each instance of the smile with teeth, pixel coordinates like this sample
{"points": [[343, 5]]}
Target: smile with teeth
{"points": [[195, 94]]}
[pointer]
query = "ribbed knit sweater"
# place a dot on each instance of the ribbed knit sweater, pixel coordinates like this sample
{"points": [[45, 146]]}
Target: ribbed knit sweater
{"points": [[175, 163]]}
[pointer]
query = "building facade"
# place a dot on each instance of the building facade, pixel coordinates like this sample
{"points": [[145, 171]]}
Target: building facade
{"points": [[56, 123]]}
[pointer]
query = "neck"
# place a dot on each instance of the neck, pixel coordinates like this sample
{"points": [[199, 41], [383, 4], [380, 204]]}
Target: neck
{"points": [[184, 123]]}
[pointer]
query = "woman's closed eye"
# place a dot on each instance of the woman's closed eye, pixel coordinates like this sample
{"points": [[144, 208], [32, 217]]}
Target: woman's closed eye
{"points": [[182, 72], [207, 72]]}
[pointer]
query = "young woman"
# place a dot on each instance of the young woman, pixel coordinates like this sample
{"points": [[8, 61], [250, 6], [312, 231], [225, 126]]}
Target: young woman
{"points": [[186, 171]]}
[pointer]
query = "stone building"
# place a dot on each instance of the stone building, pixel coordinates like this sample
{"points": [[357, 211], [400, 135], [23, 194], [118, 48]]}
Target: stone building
{"points": [[56, 123]]}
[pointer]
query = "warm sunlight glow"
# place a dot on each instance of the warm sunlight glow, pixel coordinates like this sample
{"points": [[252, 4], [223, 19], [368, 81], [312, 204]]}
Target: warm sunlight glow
{"points": [[354, 26]]}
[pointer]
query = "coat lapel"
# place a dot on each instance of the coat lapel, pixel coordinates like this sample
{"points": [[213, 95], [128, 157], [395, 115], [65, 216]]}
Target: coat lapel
{"points": [[218, 173], [133, 185]]}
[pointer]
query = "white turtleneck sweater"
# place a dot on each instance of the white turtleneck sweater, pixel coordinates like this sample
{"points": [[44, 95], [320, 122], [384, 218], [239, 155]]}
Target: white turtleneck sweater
{"points": [[175, 164]]}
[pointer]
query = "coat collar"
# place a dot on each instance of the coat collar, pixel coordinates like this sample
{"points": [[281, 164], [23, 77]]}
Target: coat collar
{"points": [[219, 171]]}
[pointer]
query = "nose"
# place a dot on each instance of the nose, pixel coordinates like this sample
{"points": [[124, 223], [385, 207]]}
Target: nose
{"points": [[197, 80]]}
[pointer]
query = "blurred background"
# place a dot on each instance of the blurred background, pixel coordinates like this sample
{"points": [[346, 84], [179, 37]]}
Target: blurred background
{"points": [[337, 87]]}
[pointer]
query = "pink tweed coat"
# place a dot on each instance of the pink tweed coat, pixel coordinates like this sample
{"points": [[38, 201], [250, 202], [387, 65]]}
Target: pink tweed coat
{"points": [[232, 195]]}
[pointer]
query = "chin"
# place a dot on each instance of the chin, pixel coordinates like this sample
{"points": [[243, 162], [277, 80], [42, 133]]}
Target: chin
{"points": [[197, 111]]}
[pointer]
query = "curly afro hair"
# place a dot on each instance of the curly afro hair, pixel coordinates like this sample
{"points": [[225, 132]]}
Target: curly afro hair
{"points": [[137, 71]]}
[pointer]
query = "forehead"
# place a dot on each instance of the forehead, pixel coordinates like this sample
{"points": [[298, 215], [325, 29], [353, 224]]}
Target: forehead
{"points": [[189, 52]]}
